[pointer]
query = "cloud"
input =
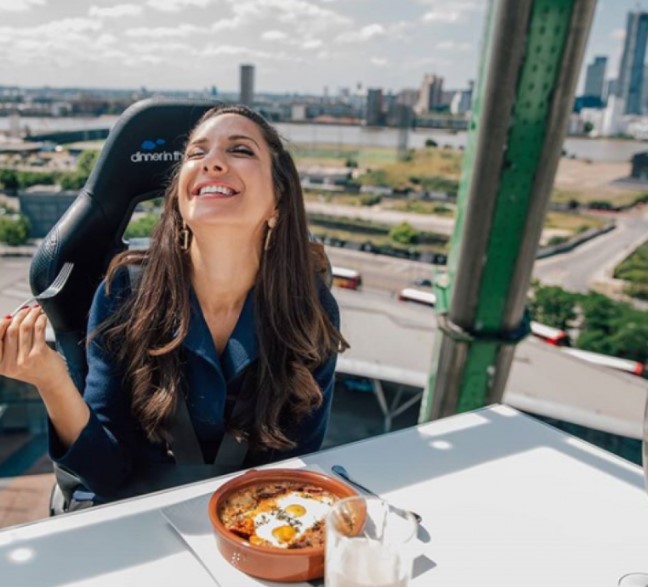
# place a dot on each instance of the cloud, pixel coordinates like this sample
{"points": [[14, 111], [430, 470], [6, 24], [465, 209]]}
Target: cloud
{"points": [[19, 5], [312, 44], [273, 35], [454, 46], [303, 17], [442, 16], [65, 27], [226, 23], [378, 61], [183, 30], [448, 12], [363, 35], [176, 5], [116, 11]]}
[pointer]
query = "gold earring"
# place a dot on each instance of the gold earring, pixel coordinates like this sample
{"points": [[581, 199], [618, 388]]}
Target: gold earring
{"points": [[184, 237], [272, 222]]}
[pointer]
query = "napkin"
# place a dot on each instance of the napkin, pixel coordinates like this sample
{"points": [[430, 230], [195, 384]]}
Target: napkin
{"points": [[190, 520]]}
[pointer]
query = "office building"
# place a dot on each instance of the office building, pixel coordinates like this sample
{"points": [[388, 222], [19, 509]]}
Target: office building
{"points": [[595, 77], [431, 94], [246, 96], [609, 89], [630, 81], [374, 115]]}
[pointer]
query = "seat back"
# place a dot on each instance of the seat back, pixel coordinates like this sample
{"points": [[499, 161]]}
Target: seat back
{"points": [[135, 164]]}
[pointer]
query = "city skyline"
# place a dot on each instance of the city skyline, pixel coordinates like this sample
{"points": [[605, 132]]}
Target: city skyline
{"points": [[300, 46]]}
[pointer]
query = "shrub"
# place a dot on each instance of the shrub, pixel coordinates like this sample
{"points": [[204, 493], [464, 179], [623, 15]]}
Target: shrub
{"points": [[370, 200], [557, 240], [14, 231], [404, 233], [142, 227]]}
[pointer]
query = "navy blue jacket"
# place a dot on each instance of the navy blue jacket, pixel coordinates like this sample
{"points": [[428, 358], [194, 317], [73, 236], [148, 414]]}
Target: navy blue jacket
{"points": [[112, 444]]}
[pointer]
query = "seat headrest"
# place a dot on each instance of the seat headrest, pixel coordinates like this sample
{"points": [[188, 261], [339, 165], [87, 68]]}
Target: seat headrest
{"points": [[135, 164]]}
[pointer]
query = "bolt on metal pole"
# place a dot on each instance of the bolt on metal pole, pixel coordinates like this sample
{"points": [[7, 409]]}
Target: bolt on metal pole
{"points": [[531, 59]]}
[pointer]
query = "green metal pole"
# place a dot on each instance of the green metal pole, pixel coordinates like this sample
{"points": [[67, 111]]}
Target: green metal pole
{"points": [[533, 50]]}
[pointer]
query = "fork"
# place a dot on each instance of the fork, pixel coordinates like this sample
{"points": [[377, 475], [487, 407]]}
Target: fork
{"points": [[57, 285]]}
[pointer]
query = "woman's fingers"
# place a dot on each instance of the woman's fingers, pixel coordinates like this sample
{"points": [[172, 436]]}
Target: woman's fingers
{"points": [[4, 324], [11, 340], [40, 327], [26, 335], [18, 342]]}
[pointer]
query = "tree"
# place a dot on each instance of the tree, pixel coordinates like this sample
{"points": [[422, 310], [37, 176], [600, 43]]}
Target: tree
{"points": [[601, 314], [9, 179], [404, 233], [142, 227], [630, 341], [552, 305], [14, 231]]}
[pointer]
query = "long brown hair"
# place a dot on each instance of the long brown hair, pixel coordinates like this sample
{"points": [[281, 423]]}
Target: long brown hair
{"points": [[294, 332]]}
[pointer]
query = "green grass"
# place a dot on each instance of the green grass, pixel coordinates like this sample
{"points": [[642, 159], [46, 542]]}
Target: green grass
{"points": [[330, 155], [635, 267], [573, 222]]}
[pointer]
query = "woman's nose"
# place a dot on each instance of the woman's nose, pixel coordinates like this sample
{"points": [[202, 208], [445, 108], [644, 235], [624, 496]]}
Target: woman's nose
{"points": [[215, 162]]}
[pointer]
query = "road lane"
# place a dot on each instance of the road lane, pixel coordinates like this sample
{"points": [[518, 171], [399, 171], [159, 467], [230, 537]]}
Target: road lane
{"points": [[576, 271]]}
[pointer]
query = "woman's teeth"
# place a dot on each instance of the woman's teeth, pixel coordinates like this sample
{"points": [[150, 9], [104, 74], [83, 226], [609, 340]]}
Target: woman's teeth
{"points": [[216, 189]]}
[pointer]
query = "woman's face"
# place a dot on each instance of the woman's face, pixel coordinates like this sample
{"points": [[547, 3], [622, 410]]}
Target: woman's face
{"points": [[226, 175]]}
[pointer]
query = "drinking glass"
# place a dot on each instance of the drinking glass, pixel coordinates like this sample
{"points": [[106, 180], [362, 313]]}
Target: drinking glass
{"points": [[368, 544]]}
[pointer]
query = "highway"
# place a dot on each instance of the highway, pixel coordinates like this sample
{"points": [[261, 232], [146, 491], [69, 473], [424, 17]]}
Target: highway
{"points": [[575, 271]]}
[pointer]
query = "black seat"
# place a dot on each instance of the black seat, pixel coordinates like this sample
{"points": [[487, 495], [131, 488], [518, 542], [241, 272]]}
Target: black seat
{"points": [[135, 165]]}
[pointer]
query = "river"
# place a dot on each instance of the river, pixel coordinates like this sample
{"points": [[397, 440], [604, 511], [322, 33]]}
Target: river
{"points": [[594, 149]]}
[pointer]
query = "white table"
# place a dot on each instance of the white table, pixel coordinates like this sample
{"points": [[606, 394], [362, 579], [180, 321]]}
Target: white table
{"points": [[506, 501]]}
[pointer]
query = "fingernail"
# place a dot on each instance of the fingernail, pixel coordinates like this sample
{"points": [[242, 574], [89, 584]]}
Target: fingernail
{"points": [[25, 308], [7, 317]]}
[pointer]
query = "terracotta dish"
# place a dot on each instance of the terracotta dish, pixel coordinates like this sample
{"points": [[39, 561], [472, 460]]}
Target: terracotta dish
{"points": [[264, 561]]}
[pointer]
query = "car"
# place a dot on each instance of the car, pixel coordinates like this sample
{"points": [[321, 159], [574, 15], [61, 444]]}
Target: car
{"points": [[423, 282]]}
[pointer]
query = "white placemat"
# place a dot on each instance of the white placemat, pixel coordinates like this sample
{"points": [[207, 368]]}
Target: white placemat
{"points": [[191, 521]]}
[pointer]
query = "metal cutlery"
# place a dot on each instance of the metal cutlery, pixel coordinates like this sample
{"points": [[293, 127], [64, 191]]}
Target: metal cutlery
{"points": [[342, 472], [55, 287]]}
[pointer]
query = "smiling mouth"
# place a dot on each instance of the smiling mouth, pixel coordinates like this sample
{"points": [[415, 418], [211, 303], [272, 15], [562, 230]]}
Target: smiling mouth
{"points": [[216, 190]]}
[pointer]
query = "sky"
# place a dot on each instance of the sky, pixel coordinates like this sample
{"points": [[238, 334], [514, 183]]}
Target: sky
{"points": [[300, 46]]}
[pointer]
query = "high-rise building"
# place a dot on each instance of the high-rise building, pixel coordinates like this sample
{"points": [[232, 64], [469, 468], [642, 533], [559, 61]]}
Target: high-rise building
{"points": [[431, 93], [374, 115], [246, 96], [609, 89], [630, 81], [595, 77]]}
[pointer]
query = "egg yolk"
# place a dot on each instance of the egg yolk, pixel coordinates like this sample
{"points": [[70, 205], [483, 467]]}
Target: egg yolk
{"points": [[284, 533], [295, 510]]}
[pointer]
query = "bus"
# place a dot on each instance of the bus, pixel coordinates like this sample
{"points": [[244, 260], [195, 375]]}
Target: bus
{"points": [[346, 278], [549, 334], [411, 294], [627, 365]]}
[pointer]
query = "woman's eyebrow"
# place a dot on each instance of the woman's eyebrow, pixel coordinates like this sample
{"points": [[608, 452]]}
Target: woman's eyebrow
{"points": [[198, 141], [239, 137]]}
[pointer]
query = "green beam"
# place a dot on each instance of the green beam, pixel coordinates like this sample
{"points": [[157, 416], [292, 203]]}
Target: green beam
{"points": [[530, 63]]}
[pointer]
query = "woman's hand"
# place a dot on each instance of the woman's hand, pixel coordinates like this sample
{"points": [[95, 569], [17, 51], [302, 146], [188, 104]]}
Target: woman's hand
{"points": [[24, 354]]}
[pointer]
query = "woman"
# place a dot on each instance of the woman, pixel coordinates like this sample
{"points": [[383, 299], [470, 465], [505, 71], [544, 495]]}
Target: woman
{"points": [[228, 317]]}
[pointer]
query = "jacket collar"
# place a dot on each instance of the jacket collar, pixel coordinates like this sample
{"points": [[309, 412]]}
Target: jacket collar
{"points": [[242, 347]]}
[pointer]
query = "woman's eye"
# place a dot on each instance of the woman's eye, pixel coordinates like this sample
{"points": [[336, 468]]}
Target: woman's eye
{"points": [[242, 150], [193, 153]]}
